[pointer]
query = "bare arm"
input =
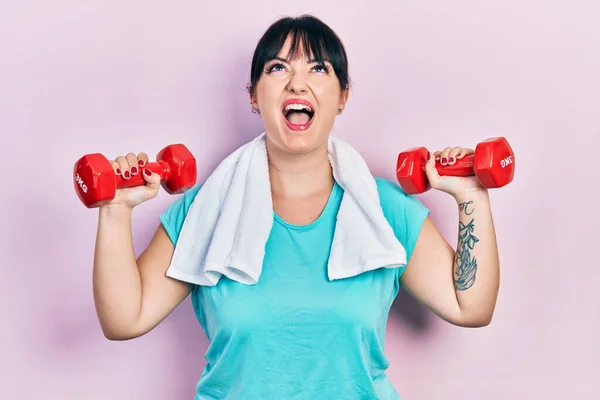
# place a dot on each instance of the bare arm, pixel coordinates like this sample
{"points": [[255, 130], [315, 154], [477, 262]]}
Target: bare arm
{"points": [[459, 286], [132, 297]]}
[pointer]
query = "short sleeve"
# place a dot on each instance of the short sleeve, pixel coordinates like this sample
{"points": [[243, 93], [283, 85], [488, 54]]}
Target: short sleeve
{"points": [[173, 217], [405, 213]]}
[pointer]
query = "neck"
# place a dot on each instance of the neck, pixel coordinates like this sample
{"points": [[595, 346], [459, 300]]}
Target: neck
{"points": [[299, 175]]}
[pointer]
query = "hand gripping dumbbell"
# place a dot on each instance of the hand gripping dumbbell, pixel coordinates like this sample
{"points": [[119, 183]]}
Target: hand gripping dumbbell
{"points": [[493, 163], [96, 182]]}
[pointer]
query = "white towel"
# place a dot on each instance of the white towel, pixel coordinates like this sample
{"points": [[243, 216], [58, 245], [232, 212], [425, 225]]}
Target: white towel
{"points": [[229, 221]]}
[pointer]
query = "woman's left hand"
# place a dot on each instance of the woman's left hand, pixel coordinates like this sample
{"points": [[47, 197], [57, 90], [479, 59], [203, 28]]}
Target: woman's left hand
{"points": [[453, 185]]}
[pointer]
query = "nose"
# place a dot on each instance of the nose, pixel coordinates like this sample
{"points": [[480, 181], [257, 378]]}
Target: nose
{"points": [[297, 83]]}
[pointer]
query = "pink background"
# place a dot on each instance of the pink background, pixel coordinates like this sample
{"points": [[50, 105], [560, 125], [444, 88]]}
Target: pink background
{"points": [[117, 76]]}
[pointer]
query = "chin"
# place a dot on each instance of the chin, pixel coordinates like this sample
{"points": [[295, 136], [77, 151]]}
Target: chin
{"points": [[297, 128], [300, 141], [299, 148]]}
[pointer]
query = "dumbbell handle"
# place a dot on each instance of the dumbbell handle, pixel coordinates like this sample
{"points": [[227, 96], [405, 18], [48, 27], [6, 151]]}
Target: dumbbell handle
{"points": [[160, 167], [462, 167]]}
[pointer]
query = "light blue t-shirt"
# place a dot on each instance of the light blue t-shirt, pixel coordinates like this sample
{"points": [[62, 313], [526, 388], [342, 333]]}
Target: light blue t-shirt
{"points": [[295, 334]]}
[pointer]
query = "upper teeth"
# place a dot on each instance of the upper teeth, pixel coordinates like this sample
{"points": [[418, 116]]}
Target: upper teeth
{"points": [[297, 107]]}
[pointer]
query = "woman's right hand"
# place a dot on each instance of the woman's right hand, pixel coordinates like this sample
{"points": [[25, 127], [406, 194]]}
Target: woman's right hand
{"points": [[128, 166]]}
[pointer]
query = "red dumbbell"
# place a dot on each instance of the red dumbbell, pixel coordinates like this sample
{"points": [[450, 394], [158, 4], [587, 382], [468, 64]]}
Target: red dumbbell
{"points": [[96, 182], [493, 163]]}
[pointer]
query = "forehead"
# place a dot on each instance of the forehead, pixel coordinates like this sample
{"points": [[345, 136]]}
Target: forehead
{"points": [[299, 47]]}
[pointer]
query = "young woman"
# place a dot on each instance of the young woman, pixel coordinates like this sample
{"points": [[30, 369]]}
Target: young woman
{"points": [[296, 334]]}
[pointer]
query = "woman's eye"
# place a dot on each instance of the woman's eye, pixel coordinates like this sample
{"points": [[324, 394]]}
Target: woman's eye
{"points": [[275, 68], [321, 68]]}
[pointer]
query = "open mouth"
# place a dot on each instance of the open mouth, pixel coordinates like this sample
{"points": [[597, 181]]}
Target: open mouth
{"points": [[298, 115]]}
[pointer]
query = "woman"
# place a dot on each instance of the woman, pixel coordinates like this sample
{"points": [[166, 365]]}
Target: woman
{"points": [[297, 334]]}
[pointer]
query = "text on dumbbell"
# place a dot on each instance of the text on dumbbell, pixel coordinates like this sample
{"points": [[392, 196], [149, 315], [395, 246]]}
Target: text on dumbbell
{"points": [[81, 183], [506, 161]]}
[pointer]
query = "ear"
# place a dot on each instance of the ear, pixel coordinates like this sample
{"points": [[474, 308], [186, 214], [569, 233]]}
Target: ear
{"points": [[251, 94], [344, 97]]}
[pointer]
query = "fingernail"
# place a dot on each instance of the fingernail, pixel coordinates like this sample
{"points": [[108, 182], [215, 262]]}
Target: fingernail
{"points": [[444, 160], [428, 156], [126, 174], [134, 170], [141, 163], [148, 172], [118, 171], [451, 159]]}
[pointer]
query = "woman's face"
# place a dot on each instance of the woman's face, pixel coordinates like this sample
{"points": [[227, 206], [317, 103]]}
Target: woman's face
{"points": [[298, 100]]}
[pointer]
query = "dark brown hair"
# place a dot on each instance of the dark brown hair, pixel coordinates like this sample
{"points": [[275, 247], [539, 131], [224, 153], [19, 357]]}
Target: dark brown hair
{"points": [[309, 34]]}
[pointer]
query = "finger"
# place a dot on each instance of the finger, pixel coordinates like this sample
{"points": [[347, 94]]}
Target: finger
{"points": [[453, 155], [142, 159], [436, 155], [152, 180], [444, 156], [116, 167], [124, 166], [460, 154], [431, 171], [133, 163]]}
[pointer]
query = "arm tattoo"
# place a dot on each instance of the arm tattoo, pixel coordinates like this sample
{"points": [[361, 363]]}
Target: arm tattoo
{"points": [[466, 265], [465, 207]]}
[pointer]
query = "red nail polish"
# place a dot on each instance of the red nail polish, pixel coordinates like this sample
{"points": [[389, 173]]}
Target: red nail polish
{"points": [[141, 162], [428, 156], [444, 160], [118, 171], [134, 170], [126, 174], [148, 172], [451, 159]]}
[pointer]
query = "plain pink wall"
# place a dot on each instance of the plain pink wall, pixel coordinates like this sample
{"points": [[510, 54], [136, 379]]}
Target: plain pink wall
{"points": [[113, 76]]}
